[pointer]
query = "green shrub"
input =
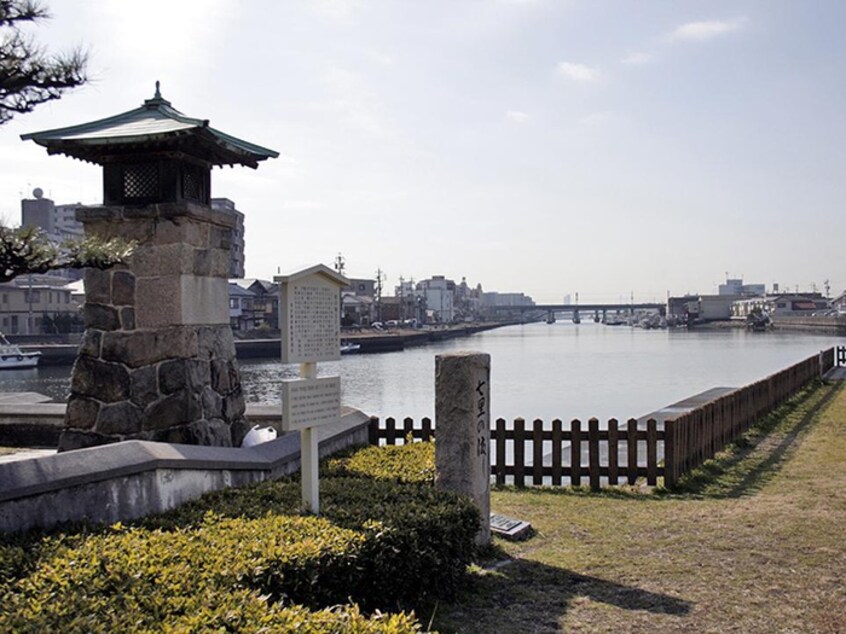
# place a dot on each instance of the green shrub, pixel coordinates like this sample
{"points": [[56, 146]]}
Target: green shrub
{"points": [[227, 573], [411, 462], [418, 540], [244, 560]]}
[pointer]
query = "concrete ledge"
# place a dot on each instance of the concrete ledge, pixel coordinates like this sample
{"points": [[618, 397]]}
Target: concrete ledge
{"points": [[33, 424], [131, 479]]}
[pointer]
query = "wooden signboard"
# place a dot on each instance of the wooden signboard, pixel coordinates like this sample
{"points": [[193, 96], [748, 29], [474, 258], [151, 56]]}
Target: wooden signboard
{"points": [[310, 315], [310, 402]]}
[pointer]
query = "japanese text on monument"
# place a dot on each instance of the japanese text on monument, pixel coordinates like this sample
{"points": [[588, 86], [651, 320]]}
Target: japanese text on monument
{"points": [[310, 402], [314, 324]]}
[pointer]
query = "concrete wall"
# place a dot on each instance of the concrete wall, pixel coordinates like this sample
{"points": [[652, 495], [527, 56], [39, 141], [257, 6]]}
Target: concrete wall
{"points": [[131, 479]]}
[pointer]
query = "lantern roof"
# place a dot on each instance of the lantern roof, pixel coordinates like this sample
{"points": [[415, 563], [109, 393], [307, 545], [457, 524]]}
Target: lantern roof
{"points": [[153, 128]]}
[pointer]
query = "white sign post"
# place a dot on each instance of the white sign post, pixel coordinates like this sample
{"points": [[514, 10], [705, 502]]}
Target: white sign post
{"points": [[310, 322]]}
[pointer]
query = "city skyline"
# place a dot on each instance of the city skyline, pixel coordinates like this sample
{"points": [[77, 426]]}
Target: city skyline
{"points": [[535, 146]]}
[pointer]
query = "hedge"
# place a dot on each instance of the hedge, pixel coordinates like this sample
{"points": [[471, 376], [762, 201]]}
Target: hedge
{"points": [[244, 560], [411, 462], [418, 541]]}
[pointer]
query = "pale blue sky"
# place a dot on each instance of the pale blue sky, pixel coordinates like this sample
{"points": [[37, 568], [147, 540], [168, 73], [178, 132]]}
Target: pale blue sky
{"points": [[550, 147]]}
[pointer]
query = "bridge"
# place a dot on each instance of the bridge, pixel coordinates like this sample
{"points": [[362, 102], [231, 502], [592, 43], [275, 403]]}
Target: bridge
{"points": [[576, 310]]}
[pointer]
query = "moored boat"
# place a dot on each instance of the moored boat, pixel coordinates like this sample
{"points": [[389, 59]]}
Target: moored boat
{"points": [[13, 358]]}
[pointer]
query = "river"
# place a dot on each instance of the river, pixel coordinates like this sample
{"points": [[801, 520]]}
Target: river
{"points": [[538, 370]]}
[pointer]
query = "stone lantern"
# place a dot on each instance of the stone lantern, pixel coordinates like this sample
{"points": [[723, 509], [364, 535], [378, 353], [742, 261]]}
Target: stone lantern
{"points": [[157, 360]]}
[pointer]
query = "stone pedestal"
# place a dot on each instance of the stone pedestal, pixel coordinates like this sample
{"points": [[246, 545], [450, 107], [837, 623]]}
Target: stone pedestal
{"points": [[157, 361], [462, 421]]}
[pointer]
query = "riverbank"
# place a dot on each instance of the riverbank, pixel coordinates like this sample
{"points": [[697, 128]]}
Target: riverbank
{"points": [[369, 341], [826, 326], [755, 545]]}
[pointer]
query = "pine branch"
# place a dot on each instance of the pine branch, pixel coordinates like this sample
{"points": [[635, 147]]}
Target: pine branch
{"points": [[28, 75], [26, 250]]}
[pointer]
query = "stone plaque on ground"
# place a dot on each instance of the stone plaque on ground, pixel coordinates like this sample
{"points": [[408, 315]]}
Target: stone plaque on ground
{"points": [[510, 528], [310, 402]]}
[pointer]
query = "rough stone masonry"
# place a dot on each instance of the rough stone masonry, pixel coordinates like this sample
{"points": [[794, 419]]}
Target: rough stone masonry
{"points": [[157, 360]]}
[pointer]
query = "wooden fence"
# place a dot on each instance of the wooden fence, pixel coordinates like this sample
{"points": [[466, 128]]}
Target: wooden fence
{"points": [[624, 452], [698, 435]]}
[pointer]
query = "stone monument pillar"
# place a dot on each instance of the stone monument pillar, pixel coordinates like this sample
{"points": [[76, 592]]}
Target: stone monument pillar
{"points": [[462, 424], [157, 360]]}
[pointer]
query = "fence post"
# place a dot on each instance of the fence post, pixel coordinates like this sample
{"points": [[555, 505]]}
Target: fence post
{"points": [[613, 452], [631, 451], [500, 451], [427, 429], [670, 452], [373, 431], [557, 440], [593, 453], [576, 453], [651, 452], [463, 421], [390, 431], [537, 452], [519, 452]]}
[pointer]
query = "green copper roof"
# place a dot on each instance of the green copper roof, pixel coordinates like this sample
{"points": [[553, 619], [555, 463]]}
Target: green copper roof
{"points": [[155, 126]]}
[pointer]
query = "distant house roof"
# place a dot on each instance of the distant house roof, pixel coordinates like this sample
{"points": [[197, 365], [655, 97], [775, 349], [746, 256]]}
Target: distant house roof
{"points": [[350, 299], [156, 125], [255, 285], [237, 291]]}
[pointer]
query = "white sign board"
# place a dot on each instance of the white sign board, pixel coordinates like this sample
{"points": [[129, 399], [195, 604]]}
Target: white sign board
{"points": [[310, 402], [310, 312]]}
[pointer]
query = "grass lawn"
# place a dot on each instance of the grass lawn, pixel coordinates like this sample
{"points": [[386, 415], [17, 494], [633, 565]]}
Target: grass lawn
{"points": [[756, 542]]}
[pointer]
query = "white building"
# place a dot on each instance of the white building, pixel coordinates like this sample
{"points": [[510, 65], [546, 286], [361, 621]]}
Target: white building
{"points": [[439, 296], [737, 287], [57, 221]]}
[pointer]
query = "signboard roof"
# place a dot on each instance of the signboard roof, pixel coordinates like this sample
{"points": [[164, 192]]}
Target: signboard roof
{"points": [[317, 269]]}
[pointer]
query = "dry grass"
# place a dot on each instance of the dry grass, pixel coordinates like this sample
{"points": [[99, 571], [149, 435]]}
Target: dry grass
{"points": [[755, 544]]}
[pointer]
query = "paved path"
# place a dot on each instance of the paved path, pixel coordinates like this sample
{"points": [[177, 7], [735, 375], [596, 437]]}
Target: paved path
{"points": [[837, 374]]}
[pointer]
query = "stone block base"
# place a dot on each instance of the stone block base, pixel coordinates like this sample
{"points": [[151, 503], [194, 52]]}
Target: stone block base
{"points": [[179, 384]]}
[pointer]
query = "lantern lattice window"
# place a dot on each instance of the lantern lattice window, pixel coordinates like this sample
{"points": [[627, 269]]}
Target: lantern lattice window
{"points": [[141, 180]]}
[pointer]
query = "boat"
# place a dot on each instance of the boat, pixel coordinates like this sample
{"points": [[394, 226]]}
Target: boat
{"points": [[349, 348], [13, 358], [758, 321]]}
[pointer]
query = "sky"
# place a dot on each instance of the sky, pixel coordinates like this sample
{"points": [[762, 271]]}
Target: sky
{"points": [[606, 148]]}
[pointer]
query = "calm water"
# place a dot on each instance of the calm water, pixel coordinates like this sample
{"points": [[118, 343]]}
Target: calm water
{"points": [[539, 370]]}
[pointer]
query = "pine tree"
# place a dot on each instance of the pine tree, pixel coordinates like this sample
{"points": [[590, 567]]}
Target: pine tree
{"points": [[29, 76], [28, 250]]}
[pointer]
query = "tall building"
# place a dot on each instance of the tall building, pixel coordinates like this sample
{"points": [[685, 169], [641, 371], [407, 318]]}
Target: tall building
{"points": [[737, 287], [238, 258], [58, 221]]}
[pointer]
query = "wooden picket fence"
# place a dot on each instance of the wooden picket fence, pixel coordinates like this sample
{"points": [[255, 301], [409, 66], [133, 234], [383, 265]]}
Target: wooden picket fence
{"points": [[649, 449], [563, 465]]}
